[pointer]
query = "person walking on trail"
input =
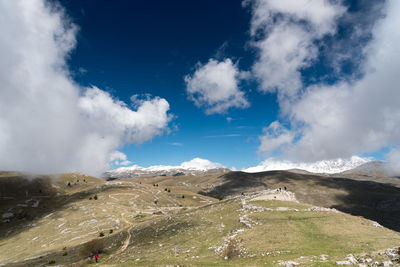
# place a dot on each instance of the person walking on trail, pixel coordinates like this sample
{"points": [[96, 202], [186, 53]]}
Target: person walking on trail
{"points": [[97, 257]]}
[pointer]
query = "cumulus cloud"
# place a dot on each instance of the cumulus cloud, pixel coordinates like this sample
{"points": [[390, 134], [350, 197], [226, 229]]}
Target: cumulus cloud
{"points": [[215, 86], [351, 116], [119, 158], [48, 124], [200, 164], [285, 33], [275, 136], [393, 159]]}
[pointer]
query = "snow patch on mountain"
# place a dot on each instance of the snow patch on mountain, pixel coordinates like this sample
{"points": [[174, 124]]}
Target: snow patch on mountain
{"points": [[323, 166], [192, 167]]}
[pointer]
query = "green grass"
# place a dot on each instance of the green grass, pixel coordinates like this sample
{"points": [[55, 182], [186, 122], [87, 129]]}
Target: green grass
{"points": [[180, 230], [273, 204], [281, 235]]}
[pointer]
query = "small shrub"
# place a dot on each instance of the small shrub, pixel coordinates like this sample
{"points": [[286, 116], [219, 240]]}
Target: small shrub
{"points": [[64, 248], [154, 184], [101, 234], [111, 231], [65, 253], [156, 202], [183, 196], [165, 189], [90, 198], [169, 190], [69, 184], [95, 197], [52, 262]]}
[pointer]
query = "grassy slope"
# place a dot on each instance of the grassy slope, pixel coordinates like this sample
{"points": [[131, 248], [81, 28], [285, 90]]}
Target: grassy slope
{"points": [[169, 228], [66, 217], [192, 237]]}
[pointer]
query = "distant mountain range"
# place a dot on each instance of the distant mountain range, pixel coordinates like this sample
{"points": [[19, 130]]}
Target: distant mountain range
{"points": [[354, 166], [322, 166], [137, 171]]}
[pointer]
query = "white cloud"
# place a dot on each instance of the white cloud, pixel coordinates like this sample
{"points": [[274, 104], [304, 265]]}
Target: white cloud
{"points": [[47, 123], [215, 87], [200, 164], [284, 34], [322, 166], [175, 144], [393, 159], [275, 136], [119, 158], [351, 116]]}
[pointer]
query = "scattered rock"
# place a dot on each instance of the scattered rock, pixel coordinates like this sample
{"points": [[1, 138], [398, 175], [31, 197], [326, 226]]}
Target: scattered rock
{"points": [[351, 259], [288, 263], [393, 253], [323, 257], [343, 263], [376, 224]]}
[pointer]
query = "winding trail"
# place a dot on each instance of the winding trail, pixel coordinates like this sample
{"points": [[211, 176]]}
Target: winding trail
{"points": [[128, 238]]}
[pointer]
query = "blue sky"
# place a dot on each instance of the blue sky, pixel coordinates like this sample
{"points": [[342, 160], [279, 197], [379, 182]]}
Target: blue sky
{"points": [[86, 84], [139, 47]]}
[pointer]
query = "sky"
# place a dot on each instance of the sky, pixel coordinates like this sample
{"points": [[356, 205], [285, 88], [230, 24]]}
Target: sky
{"points": [[92, 85]]}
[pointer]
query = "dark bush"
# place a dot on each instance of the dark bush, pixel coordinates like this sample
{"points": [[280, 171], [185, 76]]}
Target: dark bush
{"points": [[101, 234]]}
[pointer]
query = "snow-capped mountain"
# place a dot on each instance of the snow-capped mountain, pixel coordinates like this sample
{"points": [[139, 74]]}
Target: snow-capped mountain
{"points": [[198, 166], [323, 166], [195, 166]]}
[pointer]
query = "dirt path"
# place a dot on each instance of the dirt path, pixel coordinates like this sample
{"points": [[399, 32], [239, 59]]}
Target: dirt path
{"points": [[128, 238]]}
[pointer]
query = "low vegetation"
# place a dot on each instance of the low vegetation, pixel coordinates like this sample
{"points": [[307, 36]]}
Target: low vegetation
{"points": [[158, 221]]}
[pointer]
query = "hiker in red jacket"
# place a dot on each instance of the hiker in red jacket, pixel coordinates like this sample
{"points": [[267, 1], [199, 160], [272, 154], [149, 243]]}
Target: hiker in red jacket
{"points": [[97, 257]]}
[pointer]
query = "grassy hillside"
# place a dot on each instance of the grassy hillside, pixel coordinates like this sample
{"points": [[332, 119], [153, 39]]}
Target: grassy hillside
{"points": [[227, 233], [378, 201], [199, 220]]}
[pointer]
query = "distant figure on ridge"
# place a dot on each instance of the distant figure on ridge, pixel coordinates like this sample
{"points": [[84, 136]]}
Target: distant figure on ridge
{"points": [[284, 188], [97, 257]]}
